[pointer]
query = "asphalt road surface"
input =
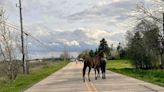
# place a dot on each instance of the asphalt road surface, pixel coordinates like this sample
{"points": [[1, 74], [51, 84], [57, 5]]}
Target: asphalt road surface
{"points": [[69, 79]]}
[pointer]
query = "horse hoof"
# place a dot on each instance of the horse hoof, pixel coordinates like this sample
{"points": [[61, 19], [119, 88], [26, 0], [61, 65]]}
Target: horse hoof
{"points": [[83, 80], [96, 78], [103, 77], [89, 80]]}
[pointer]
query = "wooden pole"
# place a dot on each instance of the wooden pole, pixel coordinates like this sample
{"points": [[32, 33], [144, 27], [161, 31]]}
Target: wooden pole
{"points": [[22, 38], [162, 49]]}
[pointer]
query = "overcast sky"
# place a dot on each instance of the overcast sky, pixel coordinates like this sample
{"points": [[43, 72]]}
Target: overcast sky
{"points": [[79, 24]]}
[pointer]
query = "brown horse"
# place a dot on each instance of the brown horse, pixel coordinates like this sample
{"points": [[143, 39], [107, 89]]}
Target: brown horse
{"points": [[92, 62]]}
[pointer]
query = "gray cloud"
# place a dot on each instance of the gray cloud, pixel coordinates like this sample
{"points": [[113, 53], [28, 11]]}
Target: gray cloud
{"points": [[79, 24], [108, 10]]}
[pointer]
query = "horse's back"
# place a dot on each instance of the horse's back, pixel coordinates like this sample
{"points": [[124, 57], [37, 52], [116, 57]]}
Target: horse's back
{"points": [[92, 62]]}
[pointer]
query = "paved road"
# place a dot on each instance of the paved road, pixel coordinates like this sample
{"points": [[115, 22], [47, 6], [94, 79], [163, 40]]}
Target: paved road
{"points": [[69, 79]]}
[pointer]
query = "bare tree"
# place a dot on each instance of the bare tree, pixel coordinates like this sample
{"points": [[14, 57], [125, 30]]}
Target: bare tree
{"points": [[151, 13], [65, 55], [154, 14], [8, 48]]}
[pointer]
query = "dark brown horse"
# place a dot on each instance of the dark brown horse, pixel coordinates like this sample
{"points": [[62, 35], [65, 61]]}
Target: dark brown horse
{"points": [[97, 62], [91, 62]]}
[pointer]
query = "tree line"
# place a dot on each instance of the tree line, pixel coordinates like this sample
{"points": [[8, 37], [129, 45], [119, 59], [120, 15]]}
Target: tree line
{"points": [[118, 53], [143, 46], [144, 42]]}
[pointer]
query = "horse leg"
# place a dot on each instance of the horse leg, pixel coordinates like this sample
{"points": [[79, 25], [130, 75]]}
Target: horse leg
{"points": [[95, 74], [84, 69], [89, 74], [104, 71], [103, 74], [98, 72]]}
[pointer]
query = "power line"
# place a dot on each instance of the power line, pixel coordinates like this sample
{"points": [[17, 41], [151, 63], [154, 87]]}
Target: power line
{"points": [[27, 28], [28, 34]]}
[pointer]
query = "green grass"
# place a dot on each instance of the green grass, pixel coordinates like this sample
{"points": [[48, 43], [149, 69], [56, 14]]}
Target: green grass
{"points": [[119, 64], [24, 81], [124, 67]]}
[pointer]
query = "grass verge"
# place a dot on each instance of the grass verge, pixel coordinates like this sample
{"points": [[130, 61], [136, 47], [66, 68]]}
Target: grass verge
{"points": [[124, 67], [24, 81]]}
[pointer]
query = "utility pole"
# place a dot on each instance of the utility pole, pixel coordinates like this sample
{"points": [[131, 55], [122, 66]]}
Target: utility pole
{"points": [[162, 46], [26, 53], [163, 23], [65, 52], [162, 62], [22, 38]]}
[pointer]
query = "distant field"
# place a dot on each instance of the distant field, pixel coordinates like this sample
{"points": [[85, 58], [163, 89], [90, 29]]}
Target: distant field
{"points": [[124, 67], [38, 72]]}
